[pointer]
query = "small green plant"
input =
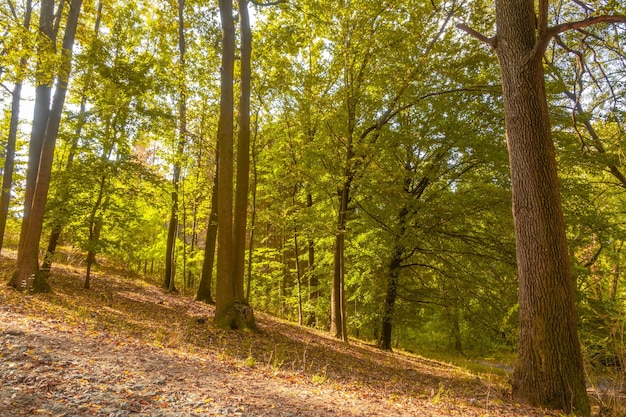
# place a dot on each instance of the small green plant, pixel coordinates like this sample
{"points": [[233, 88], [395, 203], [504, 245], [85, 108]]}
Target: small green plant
{"points": [[318, 379], [277, 357], [440, 394], [250, 361]]}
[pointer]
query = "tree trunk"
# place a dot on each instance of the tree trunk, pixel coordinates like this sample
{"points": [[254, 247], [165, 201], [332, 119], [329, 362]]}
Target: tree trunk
{"points": [[94, 227], [252, 214], [170, 255], [384, 342], [206, 278], [338, 325], [94, 237], [231, 309], [9, 156], [298, 275], [615, 275], [58, 223], [243, 152], [27, 276], [43, 92], [549, 372], [313, 281]]}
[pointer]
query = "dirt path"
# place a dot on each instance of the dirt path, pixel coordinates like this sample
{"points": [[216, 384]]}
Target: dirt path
{"points": [[126, 348]]}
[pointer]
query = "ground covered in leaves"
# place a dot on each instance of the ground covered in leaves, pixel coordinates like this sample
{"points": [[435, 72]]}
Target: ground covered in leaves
{"points": [[128, 348]]}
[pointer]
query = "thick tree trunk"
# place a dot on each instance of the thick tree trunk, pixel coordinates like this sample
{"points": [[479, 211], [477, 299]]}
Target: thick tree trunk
{"points": [[313, 281], [549, 372], [9, 155], [231, 308], [27, 276], [43, 92]]}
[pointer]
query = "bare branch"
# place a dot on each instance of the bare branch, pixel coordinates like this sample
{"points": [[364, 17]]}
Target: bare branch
{"points": [[12, 7], [489, 41], [583, 5], [269, 3], [580, 24], [6, 88], [542, 42]]}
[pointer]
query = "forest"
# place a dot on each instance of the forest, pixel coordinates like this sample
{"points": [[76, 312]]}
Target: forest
{"points": [[438, 177]]}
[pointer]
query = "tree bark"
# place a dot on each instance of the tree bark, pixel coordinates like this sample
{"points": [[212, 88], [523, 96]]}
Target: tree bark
{"points": [[313, 281], [9, 156], [549, 371], [43, 92], [231, 308], [243, 148], [390, 300], [170, 255], [338, 325], [27, 276], [206, 279]]}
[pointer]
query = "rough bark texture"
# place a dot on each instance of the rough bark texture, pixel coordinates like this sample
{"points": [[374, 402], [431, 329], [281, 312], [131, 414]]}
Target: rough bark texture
{"points": [[9, 154], [231, 311], [549, 372], [27, 276], [243, 149], [43, 92]]}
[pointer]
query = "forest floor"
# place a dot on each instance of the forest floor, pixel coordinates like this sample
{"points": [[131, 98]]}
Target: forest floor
{"points": [[128, 348]]}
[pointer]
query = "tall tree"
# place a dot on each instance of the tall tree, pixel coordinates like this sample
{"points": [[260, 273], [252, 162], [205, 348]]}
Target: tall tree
{"points": [[66, 192], [549, 369], [27, 276], [9, 153], [231, 308], [243, 149], [43, 91], [172, 231]]}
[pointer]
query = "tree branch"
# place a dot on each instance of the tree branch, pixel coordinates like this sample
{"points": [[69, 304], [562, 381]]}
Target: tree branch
{"points": [[580, 24], [12, 7], [542, 42], [489, 41], [269, 3]]}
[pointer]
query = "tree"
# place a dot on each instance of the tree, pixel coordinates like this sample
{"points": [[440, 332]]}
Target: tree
{"points": [[7, 177], [231, 308], [549, 371], [172, 231], [27, 276]]}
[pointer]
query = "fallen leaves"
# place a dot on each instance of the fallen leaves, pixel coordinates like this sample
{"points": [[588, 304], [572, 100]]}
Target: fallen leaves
{"points": [[126, 345]]}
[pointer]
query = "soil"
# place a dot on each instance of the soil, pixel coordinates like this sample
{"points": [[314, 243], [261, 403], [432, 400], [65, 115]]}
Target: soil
{"points": [[126, 347]]}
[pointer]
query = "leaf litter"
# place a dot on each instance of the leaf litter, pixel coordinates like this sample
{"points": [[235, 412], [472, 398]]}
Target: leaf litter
{"points": [[128, 348]]}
